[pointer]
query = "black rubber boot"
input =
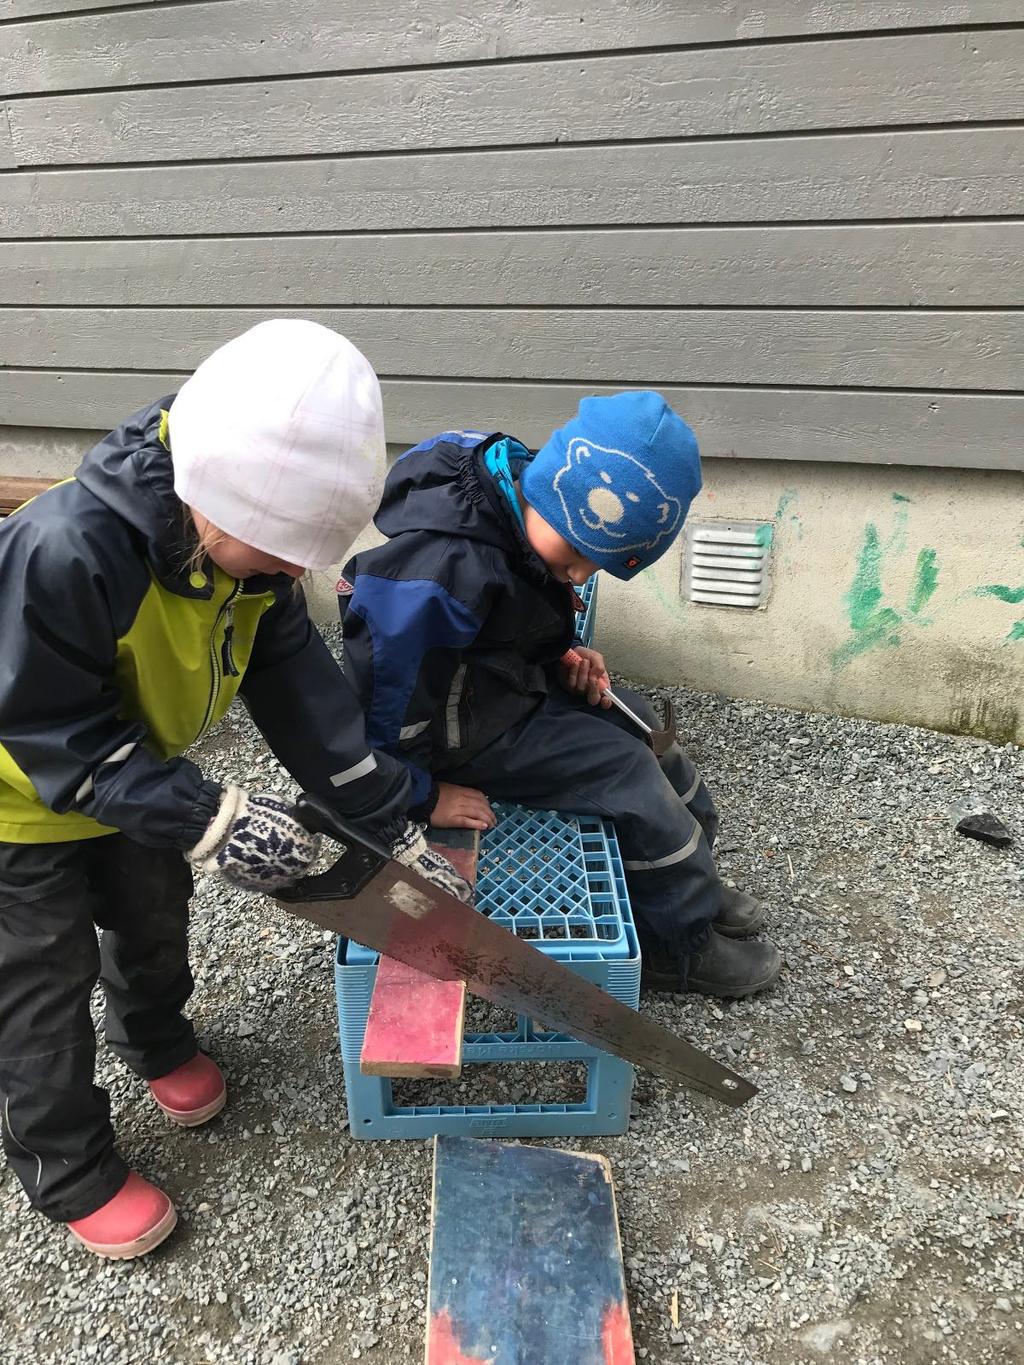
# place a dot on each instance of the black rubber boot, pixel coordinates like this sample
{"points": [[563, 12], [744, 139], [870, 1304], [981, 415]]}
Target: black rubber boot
{"points": [[728, 968], [739, 915]]}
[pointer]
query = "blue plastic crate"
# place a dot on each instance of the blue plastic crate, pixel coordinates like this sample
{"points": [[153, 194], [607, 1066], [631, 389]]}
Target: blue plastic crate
{"points": [[555, 879], [586, 620], [558, 880]]}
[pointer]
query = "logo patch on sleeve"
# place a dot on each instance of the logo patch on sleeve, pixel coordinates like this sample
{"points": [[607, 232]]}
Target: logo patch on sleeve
{"points": [[344, 588]]}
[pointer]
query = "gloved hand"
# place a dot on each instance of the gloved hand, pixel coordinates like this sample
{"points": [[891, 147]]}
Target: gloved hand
{"points": [[411, 850], [255, 841]]}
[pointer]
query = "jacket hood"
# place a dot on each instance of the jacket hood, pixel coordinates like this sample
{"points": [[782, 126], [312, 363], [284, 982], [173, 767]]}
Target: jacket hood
{"points": [[444, 486], [131, 472]]}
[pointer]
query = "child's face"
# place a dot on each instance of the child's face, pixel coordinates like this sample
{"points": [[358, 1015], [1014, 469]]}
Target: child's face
{"points": [[235, 557], [562, 560]]}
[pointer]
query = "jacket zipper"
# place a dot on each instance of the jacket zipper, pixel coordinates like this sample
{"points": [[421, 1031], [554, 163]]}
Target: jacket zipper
{"points": [[220, 660], [227, 658]]}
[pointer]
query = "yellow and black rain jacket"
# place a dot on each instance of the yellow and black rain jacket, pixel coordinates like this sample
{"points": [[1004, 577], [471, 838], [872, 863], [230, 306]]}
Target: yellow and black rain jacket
{"points": [[114, 659]]}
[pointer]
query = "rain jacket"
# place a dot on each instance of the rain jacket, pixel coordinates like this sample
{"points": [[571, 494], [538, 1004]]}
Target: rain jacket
{"points": [[454, 627], [114, 659]]}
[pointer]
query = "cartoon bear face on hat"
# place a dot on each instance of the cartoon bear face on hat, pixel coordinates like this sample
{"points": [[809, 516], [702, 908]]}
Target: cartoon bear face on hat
{"points": [[612, 501]]}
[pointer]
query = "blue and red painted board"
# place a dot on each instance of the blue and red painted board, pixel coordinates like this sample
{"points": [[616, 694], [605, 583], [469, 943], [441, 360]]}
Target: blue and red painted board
{"points": [[525, 1258]]}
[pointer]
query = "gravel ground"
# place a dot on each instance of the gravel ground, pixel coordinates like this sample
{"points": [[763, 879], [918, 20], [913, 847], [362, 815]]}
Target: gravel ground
{"points": [[868, 1203]]}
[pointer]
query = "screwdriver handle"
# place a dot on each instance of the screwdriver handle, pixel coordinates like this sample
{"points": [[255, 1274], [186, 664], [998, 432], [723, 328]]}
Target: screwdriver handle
{"points": [[570, 658]]}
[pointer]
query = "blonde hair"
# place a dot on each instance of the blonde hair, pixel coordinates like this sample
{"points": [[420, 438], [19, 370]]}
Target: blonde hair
{"points": [[195, 561]]}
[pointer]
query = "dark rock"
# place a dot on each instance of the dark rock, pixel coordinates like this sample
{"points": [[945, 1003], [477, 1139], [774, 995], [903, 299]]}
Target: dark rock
{"points": [[988, 828]]}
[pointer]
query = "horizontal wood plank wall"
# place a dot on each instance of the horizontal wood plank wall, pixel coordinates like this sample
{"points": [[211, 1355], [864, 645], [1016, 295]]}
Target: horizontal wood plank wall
{"points": [[804, 222]]}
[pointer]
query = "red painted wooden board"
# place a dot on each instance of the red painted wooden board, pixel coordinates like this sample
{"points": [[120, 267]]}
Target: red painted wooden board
{"points": [[525, 1258], [415, 1024]]}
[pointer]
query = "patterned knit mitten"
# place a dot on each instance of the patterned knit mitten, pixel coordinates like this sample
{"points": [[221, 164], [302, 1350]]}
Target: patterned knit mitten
{"points": [[412, 850], [255, 842]]}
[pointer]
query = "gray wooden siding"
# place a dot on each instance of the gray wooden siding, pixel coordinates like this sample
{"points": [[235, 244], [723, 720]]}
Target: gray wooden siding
{"points": [[804, 222]]}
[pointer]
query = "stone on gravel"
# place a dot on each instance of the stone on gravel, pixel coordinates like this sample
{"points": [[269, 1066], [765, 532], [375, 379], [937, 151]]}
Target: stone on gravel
{"points": [[986, 827]]}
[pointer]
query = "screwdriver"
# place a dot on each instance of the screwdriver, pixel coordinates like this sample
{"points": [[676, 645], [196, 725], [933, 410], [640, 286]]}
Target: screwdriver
{"points": [[570, 658]]}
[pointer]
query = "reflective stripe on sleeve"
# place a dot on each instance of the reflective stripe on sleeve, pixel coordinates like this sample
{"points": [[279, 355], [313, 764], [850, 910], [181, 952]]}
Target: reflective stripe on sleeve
{"points": [[358, 770]]}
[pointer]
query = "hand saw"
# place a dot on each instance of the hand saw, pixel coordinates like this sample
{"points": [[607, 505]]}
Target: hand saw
{"points": [[369, 897]]}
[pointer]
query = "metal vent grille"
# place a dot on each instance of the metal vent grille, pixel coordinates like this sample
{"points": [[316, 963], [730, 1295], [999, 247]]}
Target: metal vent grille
{"points": [[725, 563]]}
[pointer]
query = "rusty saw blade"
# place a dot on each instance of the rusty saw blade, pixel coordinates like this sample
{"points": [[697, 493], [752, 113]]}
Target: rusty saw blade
{"points": [[369, 897]]}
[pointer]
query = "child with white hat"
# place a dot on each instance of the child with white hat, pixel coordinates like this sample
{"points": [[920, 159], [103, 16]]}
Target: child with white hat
{"points": [[139, 598]]}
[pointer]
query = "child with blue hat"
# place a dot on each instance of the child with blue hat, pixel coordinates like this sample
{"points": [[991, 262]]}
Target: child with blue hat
{"points": [[455, 631]]}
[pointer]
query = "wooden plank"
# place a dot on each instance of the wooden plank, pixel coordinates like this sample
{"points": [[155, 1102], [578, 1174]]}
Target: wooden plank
{"points": [[415, 1023], [254, 38], [861, 426], [918, 174], [908, 348], [15, 491], [942, 430], [525, 1258], [740, 19], [974, 265], [29, 9], [844, 83]]}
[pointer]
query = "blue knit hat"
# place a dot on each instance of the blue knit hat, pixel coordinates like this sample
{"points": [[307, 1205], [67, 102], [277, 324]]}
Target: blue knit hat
{"points": [[617, 480]]}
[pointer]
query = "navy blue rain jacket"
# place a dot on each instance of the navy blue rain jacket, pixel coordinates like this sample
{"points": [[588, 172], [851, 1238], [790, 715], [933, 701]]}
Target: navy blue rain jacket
{"points": [[454, 627]]}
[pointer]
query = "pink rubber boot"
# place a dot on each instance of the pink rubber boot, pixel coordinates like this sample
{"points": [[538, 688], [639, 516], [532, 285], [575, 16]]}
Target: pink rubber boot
{"points": [[137, 1219], [193, 1093]]}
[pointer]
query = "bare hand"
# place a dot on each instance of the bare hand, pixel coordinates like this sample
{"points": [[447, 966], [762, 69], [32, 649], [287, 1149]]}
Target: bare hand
{"points": [[589, 676], [462, 808]]}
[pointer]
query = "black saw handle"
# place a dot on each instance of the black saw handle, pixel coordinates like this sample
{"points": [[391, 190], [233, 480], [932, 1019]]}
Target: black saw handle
{"points": [[359, 863]]}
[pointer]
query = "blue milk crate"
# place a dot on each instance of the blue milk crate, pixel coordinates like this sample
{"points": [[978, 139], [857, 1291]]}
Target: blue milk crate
{"points": [[558, 881], [586, 620]]}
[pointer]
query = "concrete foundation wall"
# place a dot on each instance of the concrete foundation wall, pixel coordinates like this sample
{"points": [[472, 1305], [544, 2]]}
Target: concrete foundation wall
{"points": [[897, 594]]}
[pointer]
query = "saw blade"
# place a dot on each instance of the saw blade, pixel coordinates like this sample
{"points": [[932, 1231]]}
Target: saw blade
{"points": [[388, 907]]}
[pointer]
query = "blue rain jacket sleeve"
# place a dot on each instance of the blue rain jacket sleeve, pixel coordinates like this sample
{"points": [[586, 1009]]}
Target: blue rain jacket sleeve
{"points": [[420, 604]]}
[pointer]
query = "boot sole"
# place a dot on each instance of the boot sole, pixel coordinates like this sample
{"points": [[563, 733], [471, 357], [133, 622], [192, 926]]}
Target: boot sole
{"points": [[674, 986], [126, 1251], [723, 993], [192, 1118]]}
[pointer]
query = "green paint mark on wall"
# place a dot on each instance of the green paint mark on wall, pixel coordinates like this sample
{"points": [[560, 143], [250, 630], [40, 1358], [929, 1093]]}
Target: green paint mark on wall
{"points": [[871, 623], [763, 535], [926, 579], [785, 502], [901, 497], [874, 623], [1012, 595]]}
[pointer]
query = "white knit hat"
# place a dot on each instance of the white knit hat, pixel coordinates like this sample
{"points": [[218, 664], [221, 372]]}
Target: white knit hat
{"points": [[278, 440]]}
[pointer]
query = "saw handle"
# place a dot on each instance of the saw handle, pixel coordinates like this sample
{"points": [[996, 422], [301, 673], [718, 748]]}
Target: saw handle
{"points": [[320, 817], [362, 858]]}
